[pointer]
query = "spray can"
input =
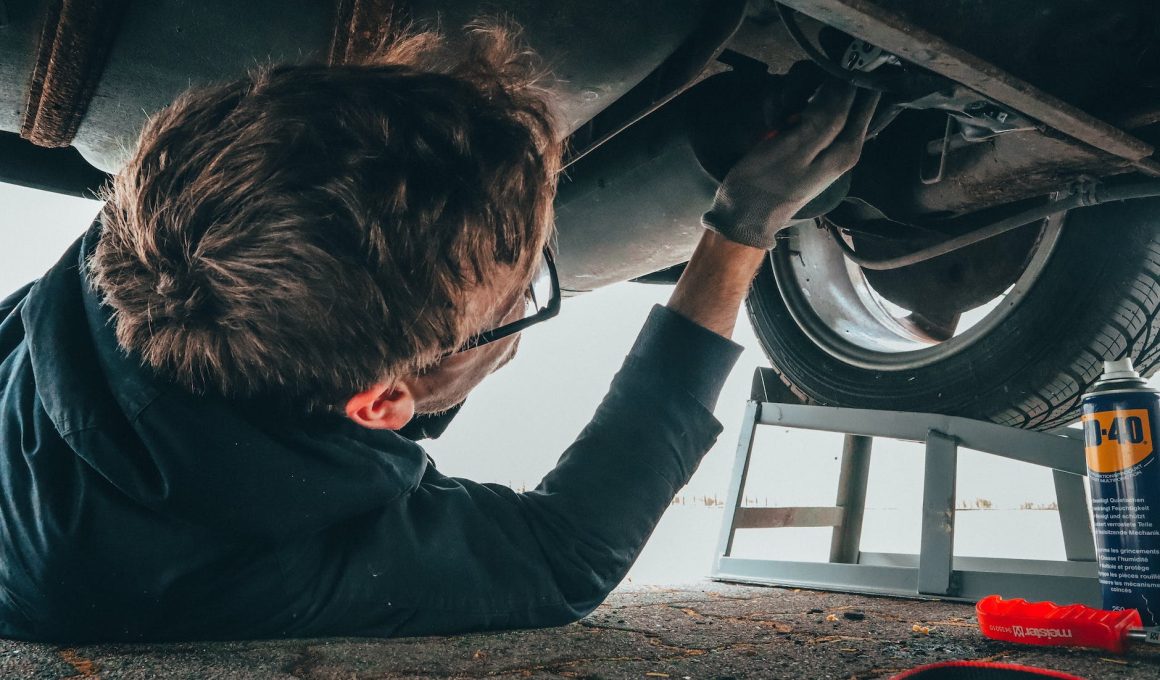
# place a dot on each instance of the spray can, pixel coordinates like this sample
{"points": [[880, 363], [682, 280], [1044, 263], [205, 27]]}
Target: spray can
{"points": [[1121, 418]]}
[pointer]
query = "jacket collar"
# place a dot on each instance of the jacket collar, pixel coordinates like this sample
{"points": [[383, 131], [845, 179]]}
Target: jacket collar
{"points": [[207, 460]]}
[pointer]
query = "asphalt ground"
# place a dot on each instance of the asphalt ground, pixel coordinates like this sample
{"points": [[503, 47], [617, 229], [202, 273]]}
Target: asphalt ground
{"points": [[707, 631]]}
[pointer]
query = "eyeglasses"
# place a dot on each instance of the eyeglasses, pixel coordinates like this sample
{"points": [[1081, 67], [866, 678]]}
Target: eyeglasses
{"points": [[541, 302]]}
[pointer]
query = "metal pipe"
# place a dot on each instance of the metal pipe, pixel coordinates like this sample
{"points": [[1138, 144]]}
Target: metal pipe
{"points": [[1091, 194]]}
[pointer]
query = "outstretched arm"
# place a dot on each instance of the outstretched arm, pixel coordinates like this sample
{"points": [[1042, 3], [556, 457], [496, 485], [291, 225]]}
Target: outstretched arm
{"points": [[455, 555], [759, 197]]}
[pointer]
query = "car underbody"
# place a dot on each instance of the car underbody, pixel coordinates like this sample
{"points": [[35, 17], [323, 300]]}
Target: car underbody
{"points": [[998, 118], [1072, 82]]}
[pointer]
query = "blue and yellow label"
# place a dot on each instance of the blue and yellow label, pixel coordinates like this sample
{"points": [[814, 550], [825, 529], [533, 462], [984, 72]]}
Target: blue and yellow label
{"points": [[1116, 440], [1124, 473]]}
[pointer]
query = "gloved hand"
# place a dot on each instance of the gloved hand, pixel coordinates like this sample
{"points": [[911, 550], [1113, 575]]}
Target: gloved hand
{"points": [[764, 190]]}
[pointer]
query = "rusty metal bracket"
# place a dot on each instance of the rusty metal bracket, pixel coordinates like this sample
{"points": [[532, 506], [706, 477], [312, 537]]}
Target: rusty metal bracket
{"points": [[70, 58], [866, 20], [361, 27], [944, 149]]}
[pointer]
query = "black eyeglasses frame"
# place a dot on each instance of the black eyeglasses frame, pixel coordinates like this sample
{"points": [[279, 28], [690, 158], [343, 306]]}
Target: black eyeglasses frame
{"points": [[508, 329]]}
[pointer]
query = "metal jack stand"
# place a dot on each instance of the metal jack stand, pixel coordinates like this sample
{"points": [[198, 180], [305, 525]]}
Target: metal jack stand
{"points": [[934, 571]]}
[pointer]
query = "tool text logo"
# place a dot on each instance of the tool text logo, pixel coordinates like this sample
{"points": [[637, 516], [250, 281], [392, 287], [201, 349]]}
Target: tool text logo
{"points": [[1116, 440], [1020, 632]]}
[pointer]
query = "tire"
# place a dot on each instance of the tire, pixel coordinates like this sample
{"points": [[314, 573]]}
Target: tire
{"points": [[1095, 297]]}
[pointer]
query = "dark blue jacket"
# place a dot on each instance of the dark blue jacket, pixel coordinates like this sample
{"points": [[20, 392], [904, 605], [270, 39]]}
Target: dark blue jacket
{"points": [[131, 510]]}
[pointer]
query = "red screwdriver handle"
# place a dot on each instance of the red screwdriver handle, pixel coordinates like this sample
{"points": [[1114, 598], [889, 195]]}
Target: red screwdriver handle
{"points": [[1046, 623]]}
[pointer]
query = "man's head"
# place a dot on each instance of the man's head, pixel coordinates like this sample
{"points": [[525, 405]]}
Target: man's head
{"points": [[312, 233]]}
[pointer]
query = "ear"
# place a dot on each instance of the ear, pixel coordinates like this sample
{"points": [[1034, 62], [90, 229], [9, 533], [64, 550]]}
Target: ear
{"points": [[385, 406]]}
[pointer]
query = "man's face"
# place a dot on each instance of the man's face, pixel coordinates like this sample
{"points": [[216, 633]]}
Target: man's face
{"points": [[450, 381]]}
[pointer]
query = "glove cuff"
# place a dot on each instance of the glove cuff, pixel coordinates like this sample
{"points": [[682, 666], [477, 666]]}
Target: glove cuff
{"points": [[742, 216]]}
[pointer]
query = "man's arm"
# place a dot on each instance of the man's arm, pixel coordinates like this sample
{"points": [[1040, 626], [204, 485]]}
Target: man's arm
{"points": [[715, 282], [455, 555], [759, 197]]}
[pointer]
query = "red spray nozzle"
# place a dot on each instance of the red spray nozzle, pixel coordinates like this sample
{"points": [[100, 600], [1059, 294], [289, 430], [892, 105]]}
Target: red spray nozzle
{"points": [[1046, 623]]}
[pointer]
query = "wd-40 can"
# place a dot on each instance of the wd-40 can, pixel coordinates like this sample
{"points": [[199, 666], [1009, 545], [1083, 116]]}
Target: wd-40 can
{"points": [[1121, 418]]}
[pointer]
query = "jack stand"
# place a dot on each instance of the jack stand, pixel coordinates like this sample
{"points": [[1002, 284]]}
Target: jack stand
{"points": [[934, 572]]}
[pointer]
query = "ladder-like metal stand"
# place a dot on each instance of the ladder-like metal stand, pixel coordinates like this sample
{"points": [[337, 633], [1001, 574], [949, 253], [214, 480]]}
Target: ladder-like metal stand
{"points": [[934, 571]]}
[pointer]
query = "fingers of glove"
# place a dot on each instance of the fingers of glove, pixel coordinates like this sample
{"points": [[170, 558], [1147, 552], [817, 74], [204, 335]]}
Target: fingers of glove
{"points": [[824, 117], [847, 146], [794, 150]]}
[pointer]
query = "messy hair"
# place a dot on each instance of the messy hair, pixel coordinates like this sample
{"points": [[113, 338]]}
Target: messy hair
{"points": [[310, 230]]}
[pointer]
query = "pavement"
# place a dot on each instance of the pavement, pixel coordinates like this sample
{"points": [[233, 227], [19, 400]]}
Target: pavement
{"points": [[709, 631]]}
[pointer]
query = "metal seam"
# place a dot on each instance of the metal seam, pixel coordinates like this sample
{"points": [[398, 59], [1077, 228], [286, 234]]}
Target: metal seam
{"points": [[361, 27], [71, 54]]}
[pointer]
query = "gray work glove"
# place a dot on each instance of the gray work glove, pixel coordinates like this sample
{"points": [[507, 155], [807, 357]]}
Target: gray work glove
{"points": [[761, 194]]}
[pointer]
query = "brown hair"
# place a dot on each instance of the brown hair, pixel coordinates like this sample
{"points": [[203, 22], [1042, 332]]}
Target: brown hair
{"points": [[310, 230]]}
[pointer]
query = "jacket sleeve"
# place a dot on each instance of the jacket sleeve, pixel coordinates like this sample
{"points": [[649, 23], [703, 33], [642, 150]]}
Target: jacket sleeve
{"points": [[455, 555]]}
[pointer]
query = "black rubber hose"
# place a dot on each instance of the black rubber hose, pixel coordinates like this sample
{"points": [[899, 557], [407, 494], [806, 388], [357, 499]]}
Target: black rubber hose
{"points": [[1096, 195], [1126, 192]]}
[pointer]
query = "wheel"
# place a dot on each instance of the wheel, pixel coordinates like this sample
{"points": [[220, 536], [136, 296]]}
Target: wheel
{"points": [[1088, 290]]}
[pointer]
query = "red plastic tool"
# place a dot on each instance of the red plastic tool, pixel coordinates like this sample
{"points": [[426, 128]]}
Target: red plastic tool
{"points": [[1046, 623]]}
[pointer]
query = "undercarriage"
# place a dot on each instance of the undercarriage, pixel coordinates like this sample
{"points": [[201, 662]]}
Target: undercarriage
{"points": [[1013, 145]]}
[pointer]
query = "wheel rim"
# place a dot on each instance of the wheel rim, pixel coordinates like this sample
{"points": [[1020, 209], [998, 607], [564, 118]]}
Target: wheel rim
{"points": [[833, 304]]}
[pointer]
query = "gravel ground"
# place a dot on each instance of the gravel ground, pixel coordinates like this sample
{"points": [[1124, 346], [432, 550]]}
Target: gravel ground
{"points": [[711, 630]]}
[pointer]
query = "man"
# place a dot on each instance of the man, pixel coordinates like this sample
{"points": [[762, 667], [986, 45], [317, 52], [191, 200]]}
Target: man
{"points": [[200, 405]]}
